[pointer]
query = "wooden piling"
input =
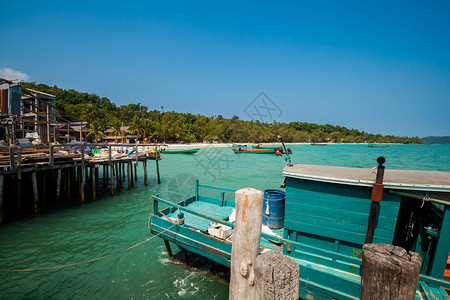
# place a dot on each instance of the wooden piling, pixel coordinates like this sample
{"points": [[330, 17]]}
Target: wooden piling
{"points": [[79, 179], [157, 165], [131, 173], [19, 193], [246, 243], [96, 176], [389, 272], [276, 276], [68, 182], [58, 185], [128, 175], [117, 174], [104, 175], [35, 192], [112, 178], [135, 171], [2, 181], [83, 182], [93, 183], [144, 164], [169, 251], [185, 256], [44, 187]]}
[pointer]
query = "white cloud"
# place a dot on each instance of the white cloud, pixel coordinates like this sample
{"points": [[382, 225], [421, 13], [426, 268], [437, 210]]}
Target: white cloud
{"points": [[10, 74]]}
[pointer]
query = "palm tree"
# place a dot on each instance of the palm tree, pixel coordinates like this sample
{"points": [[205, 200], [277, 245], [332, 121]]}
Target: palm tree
{"points": [[147, 127], [95, 130], [136, 126], [116, 124]]}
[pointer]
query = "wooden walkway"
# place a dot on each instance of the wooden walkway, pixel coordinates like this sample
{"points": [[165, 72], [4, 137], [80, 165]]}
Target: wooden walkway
{"points": [[53, 173]]}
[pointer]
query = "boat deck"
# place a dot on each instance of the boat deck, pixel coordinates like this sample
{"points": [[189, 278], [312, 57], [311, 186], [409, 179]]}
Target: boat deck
{"points": [[204, 208], [324, 274]]}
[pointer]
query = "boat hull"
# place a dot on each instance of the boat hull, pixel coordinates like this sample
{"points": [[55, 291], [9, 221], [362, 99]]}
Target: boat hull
{"points": [[181, 151], [255, 151]]}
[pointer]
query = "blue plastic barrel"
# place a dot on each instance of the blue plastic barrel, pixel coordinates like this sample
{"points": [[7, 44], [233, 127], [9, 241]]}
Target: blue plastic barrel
{"points": [[273, 209]]}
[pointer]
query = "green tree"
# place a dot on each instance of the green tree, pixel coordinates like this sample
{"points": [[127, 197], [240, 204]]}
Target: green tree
{"points": [[95, 131]]}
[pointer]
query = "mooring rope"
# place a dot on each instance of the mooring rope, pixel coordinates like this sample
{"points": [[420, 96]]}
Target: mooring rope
{"points": [[92, 260]]}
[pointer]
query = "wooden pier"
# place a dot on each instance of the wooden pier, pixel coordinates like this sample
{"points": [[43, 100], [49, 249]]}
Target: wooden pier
{"points": [[34, 177]]}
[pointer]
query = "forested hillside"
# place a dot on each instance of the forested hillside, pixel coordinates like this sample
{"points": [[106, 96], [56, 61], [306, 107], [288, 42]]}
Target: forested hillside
{"points": [[147, 123], [437, 139]]}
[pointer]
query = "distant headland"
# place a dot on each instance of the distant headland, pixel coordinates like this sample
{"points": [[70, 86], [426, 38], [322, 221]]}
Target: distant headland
{"points": [[437, 139]]}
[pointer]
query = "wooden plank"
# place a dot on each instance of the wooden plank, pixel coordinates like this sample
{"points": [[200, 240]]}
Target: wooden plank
{"points": [[332, 233]]}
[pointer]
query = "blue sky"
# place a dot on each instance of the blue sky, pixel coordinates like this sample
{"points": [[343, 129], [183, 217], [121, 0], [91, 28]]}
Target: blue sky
{"points": [[381, 67]]}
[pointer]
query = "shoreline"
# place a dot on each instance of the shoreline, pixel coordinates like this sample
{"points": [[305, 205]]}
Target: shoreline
{"points": [[223, 145]]}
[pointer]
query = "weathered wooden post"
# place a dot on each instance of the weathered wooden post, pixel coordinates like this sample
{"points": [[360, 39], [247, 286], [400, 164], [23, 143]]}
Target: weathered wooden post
{"points": [[2, 181], [19, 192], [276, 276], [93, 181], [144, 164], [246, 243], [117, 174], [131, 173], [104, 176], [157, 164], [44, 186], [128, 175], [83, 182], [58, 185], [97, 184], [68, 182], [112, 178], [389, 272], [35, 191], [83, 173]]}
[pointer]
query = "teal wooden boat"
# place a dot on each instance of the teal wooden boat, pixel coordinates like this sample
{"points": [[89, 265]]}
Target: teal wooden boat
{"points": [[262, 146], [239, 149], [325, 222], [180, 150]]}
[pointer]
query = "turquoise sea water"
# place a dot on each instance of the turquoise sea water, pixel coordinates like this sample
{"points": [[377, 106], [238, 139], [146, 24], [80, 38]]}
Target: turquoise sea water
{"points": [[113, 223]]}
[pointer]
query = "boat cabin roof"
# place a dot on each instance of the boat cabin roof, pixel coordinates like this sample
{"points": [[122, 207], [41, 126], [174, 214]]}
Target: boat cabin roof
{"points": [[433, 181]]}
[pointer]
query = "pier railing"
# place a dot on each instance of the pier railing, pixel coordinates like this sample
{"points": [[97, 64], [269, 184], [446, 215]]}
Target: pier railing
{"points": [[31, 157]]}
